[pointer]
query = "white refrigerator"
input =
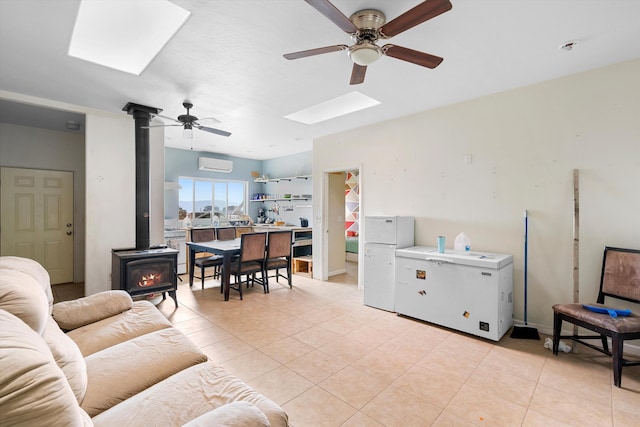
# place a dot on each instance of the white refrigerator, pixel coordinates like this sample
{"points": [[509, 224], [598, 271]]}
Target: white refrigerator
{"points": [[383, 235]]}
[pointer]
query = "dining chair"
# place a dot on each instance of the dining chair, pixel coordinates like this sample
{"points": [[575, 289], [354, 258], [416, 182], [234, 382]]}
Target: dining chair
{"points": [[226, 233], [223, 233], [278, 256], [208, 260], [250, 261], [620, 279]]}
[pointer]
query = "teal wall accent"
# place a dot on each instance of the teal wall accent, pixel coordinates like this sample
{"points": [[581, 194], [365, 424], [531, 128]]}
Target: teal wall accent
{"points": [[185, 163]]}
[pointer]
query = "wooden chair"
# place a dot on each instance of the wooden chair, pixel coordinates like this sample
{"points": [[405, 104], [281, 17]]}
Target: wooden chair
{"points": [[223, 233], [278, 255], [250, 261], [209, 260], [620, 279], [226, 233]]}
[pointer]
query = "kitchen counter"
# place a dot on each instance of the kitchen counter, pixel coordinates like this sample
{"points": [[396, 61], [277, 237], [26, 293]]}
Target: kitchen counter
{"points": [[267, 227]]}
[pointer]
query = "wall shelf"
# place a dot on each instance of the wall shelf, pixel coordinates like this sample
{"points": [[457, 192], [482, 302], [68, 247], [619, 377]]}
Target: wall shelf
{"points": [[291, 199], [263, 180]]}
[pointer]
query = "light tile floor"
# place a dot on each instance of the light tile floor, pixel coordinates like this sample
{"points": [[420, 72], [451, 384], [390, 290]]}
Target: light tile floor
{"points": [[331, 361]]}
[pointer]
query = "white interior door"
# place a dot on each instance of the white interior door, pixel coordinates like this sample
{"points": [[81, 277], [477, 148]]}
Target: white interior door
{"points": [[37, 218]]}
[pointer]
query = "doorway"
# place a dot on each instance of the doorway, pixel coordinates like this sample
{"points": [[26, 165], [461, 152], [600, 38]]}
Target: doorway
{"points": [[37, 218], [341, 212]]}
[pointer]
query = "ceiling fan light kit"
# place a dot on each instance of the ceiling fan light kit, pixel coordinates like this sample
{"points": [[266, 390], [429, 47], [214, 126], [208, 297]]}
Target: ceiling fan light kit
{"points": [[364, 53], [367, 26], [187, 132]]}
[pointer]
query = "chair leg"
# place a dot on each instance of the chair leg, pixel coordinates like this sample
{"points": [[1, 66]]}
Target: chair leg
{"points": [[557, 330], [289, 275], [605, 343], [265, 280], [202, 275], [616, 348]]}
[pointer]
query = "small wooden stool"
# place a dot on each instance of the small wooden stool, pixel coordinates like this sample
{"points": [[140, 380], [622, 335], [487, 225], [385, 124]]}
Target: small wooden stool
{"points": [[303, 264]]}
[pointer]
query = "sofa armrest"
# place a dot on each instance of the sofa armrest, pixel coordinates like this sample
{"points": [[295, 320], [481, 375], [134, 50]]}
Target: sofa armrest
{"points": [[80, 312]]}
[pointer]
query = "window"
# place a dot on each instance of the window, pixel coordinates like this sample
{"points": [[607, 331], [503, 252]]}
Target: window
{"points": [[204, 202]]}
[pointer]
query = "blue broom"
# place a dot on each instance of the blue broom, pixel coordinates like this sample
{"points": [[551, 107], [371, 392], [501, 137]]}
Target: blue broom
{"points": [[524, 332]]}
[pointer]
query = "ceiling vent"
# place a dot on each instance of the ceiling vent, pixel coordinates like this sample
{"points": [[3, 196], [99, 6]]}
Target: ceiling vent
{"points": [[215, 165]]}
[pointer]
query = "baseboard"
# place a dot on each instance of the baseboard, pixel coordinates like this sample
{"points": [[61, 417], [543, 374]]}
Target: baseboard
{"points": [[335, 273], [631, 349]]}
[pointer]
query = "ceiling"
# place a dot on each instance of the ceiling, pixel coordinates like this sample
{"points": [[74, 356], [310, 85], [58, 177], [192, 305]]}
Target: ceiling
{"points": [[227, 60]]}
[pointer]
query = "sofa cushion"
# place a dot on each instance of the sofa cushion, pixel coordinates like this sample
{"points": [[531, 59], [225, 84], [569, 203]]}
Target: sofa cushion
{"points": [[118, 372], [143, 318], [234, 414], [68, 357], [22, 296], [33, 389], [82, 311], [187, 395], [32, 268]]}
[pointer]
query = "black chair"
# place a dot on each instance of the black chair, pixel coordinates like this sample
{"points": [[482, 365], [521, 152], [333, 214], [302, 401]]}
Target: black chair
{"points": [[278, 256], [198, 235], [620, 279], [250, 261]]}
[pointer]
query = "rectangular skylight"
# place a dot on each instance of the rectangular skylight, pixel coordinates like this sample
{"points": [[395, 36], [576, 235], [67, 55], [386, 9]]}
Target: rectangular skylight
{"points": [[124, 35], [336, 107]]}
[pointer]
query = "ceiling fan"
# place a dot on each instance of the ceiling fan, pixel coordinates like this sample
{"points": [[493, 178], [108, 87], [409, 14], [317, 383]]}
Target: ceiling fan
{"points": [[188, 122], [367, 26]]}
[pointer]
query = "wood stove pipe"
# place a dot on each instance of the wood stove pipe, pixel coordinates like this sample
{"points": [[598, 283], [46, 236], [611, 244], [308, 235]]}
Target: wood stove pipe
{"points": [[142, 116]]}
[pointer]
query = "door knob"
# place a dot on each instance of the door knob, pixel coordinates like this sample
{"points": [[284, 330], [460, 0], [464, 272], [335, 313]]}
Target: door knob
{"points": [[68, 225], [69, 233]]}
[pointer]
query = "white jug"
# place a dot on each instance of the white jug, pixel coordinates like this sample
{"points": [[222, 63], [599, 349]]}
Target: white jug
{"points": [[462, 244]]}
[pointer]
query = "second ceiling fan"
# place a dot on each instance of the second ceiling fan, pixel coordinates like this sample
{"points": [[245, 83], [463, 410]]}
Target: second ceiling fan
{"points": [[368, 26], [188, 122]]}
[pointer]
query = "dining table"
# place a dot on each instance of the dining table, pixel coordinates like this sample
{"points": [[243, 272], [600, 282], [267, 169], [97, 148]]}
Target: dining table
{"points": [[227, 248]]}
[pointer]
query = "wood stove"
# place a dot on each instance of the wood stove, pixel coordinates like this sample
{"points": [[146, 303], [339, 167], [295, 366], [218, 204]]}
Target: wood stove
{"points": [[144, 272]]}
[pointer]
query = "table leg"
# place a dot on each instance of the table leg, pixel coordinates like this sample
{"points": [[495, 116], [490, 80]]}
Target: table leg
{"points": [[192, 260], [226, 275]]}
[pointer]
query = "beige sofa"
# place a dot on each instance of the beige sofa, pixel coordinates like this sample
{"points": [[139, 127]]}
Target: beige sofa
{"points": [[106, 360]]}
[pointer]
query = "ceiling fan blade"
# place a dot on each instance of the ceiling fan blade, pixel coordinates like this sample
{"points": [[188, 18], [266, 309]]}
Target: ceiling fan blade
{"points": [[211, 120], [410, 55], [168, 118], [214, 130], [159, 126], [423, 12], [317, 51], [326, 8], [357, 74]]}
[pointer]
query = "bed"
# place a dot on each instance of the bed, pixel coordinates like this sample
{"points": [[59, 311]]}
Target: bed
{"points": [[351, 244], [351, 248]]}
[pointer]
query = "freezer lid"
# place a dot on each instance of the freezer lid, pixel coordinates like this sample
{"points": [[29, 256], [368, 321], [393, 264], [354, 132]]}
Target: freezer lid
{"points": [[476, 259]]}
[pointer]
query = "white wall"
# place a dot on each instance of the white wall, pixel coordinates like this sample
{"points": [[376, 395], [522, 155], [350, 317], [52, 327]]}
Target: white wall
{"points": [[35, 148], [524, 145], [110, 186], [111, 194]]}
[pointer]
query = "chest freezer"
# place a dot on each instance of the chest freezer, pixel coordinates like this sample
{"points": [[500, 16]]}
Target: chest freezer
{"points": [[471, 293]]}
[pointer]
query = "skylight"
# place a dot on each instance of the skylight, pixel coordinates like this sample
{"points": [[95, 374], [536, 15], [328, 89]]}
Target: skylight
{"points": [[336, 107], [124, 35]]}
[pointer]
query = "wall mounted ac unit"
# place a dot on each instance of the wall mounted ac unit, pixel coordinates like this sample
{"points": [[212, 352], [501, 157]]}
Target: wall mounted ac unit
{"points": [[215, 165]]}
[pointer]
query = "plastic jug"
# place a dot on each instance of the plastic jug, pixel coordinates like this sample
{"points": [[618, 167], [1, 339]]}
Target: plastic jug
{"points": [[462, 244]]}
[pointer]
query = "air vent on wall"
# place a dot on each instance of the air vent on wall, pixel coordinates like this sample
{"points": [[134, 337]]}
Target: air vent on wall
{"points": [[215, 165]]}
